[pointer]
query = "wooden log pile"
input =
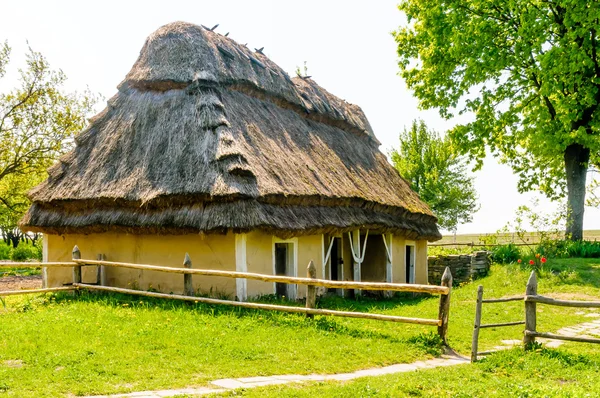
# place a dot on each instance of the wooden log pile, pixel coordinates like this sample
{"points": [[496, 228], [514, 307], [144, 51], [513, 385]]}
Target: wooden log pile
{"points": [[464, 267]]}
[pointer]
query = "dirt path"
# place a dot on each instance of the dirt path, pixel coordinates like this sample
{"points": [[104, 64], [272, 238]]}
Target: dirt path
{"points": [[20, 282]]}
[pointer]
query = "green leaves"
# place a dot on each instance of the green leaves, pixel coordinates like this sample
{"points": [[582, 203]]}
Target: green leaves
{"points": [[437, 174], [38, 122], [528, 71]]}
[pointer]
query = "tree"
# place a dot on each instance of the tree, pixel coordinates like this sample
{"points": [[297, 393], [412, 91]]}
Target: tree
{"points": [[437, 174], [38, 121], [529, 73]]}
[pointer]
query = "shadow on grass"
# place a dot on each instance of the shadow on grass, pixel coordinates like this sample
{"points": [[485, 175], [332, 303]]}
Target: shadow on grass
{"points": [[568, 271], [324, 324], [513, 359], [575, 272]]}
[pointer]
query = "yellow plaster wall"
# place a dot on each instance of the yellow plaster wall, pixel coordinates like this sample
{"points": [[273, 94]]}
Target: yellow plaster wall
{"points": [[206, 251], [309, 248], [421, 274], [398, 259], [259, 258]]}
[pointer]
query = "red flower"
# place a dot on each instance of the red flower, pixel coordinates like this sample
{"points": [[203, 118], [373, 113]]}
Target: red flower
{"points": [[543, 259], [531, 262], [519, 261]]}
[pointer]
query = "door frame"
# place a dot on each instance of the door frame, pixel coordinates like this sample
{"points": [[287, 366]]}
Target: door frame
{"points": [[292, 290], [340, 249], [412, 272]]}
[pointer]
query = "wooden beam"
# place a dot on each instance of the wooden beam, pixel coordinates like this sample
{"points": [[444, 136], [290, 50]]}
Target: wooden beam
{"points": [[475, 341], [34, 291], [561, 337], [311, 291], [397, 287], [530, 310], [77, 268], [562, 303], [444, 309], [496, 325], [283, 308], [100, 278], [188, 284], [504, 300]]}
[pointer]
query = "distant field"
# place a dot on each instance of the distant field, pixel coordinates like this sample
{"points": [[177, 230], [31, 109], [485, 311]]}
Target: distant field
{"points": [[508, 238]]}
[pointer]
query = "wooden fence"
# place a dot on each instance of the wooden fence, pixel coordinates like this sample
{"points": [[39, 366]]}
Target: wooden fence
{"points": [[531, 298], [310, 281], [477, 326]]}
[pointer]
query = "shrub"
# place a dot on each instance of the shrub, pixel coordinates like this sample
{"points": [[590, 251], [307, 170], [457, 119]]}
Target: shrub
{"points": [[505, 254], [567, 249], [25, 252], [4, 252], [448, 250]]}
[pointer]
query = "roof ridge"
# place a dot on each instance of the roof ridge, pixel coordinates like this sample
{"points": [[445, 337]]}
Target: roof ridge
{"points": [[180, 54]]}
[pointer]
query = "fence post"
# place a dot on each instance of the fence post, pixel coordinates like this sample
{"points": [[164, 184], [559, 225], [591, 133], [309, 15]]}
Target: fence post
{"points": [[445, 306], [188, 286], [530, 309], [100, 271], [76, 255], [475, 343], [311, 291]]}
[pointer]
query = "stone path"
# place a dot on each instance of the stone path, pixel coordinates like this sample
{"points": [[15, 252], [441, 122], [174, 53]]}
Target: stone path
{"points": [[588, 329], [223, 385]]}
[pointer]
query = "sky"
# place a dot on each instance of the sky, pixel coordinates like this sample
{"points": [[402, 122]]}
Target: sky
{"points": [[347, 46]]}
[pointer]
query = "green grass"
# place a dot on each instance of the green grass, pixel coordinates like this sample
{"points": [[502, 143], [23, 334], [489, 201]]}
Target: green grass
{"points": [[514, 373], [100, 344], [109, 344], [19, 271]]}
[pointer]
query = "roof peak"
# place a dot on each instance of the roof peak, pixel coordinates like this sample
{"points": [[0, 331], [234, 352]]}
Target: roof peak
{"points": [[179, 54]]}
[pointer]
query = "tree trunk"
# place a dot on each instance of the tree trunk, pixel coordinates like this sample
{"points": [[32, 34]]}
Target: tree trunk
{"points": [[576, 164], [14, 240]]}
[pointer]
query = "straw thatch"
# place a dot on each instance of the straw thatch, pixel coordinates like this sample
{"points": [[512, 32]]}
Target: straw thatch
{"points": [[206, 136]]}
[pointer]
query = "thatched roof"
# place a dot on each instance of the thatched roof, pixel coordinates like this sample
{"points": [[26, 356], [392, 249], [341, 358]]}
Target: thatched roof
{"points": [[205, 135]]}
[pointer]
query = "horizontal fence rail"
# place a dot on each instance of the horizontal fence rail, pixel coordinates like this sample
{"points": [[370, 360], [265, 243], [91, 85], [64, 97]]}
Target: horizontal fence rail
{"points": [[503, 300], [530, 299], [478, 326], [562, 303], [396, 287], [561, 337], [283, 308], [311, 282], [497, 325]]}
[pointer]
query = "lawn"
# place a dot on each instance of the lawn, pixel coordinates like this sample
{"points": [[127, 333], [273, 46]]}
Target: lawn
{"points": [[98, 344], [513, 373]]}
